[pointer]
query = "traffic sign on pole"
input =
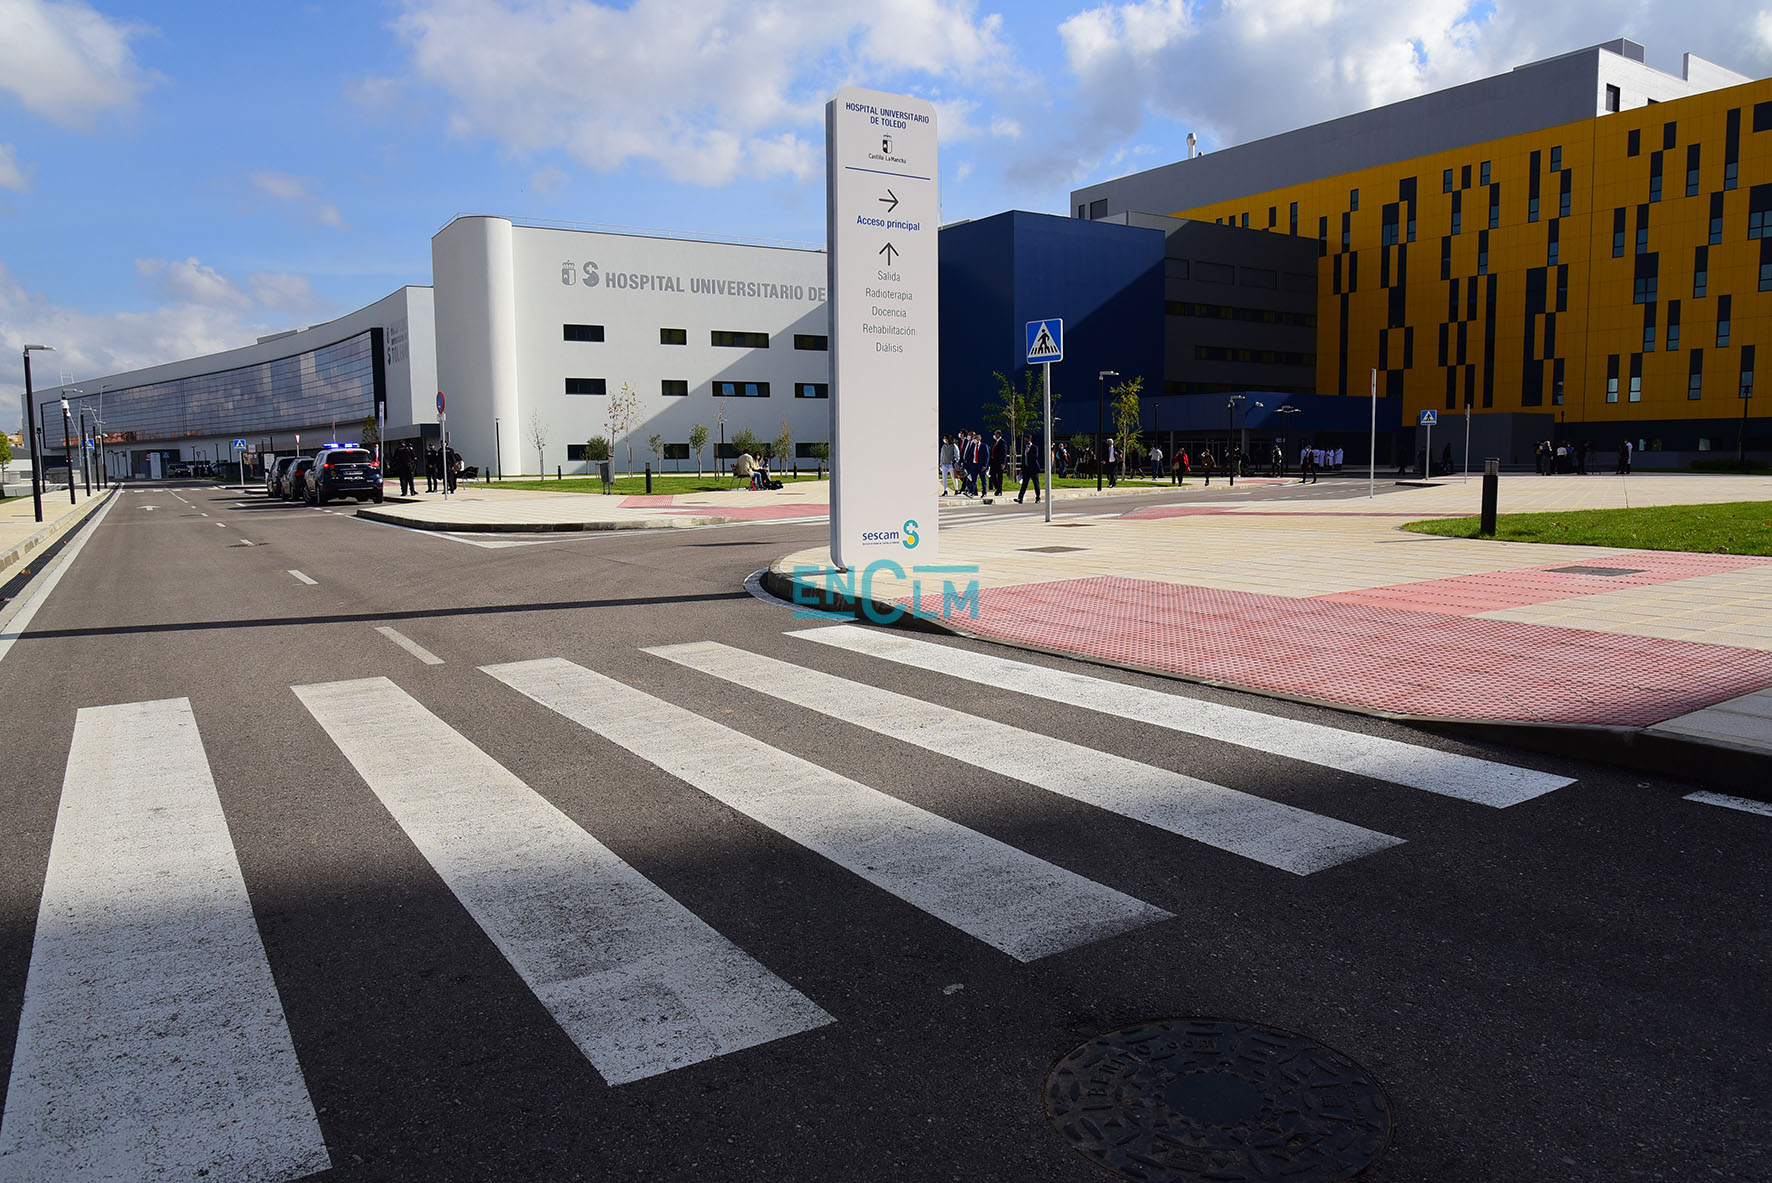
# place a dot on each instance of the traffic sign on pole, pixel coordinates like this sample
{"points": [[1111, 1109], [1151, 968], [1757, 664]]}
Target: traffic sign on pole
{"points": [[439, 402], [1045, 340]]}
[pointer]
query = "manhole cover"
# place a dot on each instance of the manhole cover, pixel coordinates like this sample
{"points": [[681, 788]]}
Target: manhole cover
{"points": [[1051, 550], [1580, 570], [1216, 1099]]}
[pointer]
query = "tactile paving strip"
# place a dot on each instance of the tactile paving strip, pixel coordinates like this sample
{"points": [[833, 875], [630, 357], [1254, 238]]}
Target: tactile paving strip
{"points": [[1494, 591], [1370, 656]]}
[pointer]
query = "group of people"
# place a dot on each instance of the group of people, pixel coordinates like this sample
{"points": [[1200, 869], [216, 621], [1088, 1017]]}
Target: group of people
{"points": [[973, 467], [755, 469], [439, 468]]}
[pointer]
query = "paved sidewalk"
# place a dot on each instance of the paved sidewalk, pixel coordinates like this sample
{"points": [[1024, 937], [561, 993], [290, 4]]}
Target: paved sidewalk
{"points": [[1329, 601], [22, 536]]}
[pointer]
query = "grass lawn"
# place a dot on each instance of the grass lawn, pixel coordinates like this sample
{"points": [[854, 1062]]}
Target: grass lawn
{"points": [[1730, 528]]}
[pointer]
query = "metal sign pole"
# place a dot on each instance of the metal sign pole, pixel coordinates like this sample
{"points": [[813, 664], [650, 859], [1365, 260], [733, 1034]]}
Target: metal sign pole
{"points": [[1467, 443], [1372, 452], [1046, 476]]}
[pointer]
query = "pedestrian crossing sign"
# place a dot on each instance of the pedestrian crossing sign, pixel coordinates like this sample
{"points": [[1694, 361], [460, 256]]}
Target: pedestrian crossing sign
{"points": [[1428, 419], [1045, 340], [239, 445]]}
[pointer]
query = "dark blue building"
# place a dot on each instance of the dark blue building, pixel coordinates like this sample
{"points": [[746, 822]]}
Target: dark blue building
{"points": [[998, 273]]}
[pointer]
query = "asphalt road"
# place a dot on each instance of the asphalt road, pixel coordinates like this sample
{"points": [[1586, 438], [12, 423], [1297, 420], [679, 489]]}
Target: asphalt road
{"points": [[473, 905]]}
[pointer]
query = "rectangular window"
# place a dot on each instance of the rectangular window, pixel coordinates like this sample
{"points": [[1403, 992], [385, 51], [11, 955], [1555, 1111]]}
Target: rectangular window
{"points": [[1494, 206], [1618, 233], [1747, 372], [1557, 160], [1669, 134], [730, 339], [1645, 281], [1766, 264], [1464, 177], [587, 386], [1294, 216], [1557, 372], [1654, 176], [1388, 225], [1322, 236], [1724, 318], [1245, 221], [812, 390], [1551, 247], [1700, 272], [1716, 218], [1446, 181], [1458, 212], [1633, 142], [1692, 170], [1483, 252], [1759, 212], [1563, 288], [1098, 208], [1446, 260], [741, 390], [1273, 217], [1565, 194], [1648, 328], [1695, 376], [1483, 173], [1346, 231], [676, 451], [815, 341], [1353, 199], [1642, 230], [673, 336], [1731, 146], [581, 332], [1673, 325], [1612, 378], [674, 388], [1532, 209], [1613, 100], [1636, 377]]}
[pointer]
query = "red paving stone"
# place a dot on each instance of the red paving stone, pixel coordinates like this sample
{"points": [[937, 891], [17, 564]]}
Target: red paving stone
{"points": [[1371, 656], [1156, 512], [1492, 591], [748, 513]]}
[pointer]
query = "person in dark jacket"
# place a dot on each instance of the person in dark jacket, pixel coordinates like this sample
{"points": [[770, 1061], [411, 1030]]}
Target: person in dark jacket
{"points": [[999, 461], [1032, 464], [404, 462]]}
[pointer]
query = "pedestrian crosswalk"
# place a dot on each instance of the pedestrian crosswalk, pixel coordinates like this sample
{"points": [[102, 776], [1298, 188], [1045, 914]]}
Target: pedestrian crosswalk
{"points": [[152, 1030]]}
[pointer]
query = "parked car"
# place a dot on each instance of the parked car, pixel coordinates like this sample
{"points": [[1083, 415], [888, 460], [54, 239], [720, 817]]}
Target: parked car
{"points": [[344, 471], [178, 468], [275, 473], [294, 485]]}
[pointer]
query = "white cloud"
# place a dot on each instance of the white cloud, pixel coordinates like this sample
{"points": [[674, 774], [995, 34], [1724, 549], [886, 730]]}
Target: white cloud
{"points": [[12, 175], [290, 294], [548, 178], [190, 282], [294, 191], [709, 90], [67, 63]]}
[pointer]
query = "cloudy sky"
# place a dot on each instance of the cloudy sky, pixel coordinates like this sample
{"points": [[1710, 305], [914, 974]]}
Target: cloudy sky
{"points": [[181, 178]]}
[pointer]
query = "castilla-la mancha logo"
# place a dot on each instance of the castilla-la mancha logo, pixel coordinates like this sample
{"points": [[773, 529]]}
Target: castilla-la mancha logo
{"points": [[569, 276]]}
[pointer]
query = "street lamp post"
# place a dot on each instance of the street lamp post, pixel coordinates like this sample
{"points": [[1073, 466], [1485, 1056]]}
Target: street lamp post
{"points": [[1287, 440], [1101, 418], [68, 452], [85, 451], [1230, 438], [31, 430]]}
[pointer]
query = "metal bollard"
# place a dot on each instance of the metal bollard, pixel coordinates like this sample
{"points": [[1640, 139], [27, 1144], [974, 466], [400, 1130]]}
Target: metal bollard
{"points": [[649, 476], [1491, 487], [557, 474]]}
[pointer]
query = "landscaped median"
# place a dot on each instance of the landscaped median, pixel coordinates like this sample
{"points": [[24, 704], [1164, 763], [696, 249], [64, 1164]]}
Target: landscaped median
{"points": [[1728, 528]]}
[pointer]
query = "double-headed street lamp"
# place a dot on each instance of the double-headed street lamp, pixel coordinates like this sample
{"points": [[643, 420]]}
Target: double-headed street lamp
{"points": [[67, 448], [1101, 418], [31, 430]]}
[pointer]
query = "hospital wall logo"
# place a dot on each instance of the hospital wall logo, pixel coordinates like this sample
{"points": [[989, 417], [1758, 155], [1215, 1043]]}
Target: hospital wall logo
{"points": [[569, 274]]}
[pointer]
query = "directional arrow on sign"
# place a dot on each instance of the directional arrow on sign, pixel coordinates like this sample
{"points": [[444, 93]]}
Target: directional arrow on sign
{"points": [[893, 198], [889, 251]]}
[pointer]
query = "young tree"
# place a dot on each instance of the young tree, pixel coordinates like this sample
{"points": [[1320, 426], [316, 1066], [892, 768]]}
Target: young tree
{"points": [[1126, 414], [784, 443], [820, 453], [745, 440], [370, 432], [597, 448], [1018, 411], [5, 455], [698, 440], [538, 435], [624, 412], [656, 443]]}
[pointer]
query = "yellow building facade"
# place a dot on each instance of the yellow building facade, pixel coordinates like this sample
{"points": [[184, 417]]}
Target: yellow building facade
{"points": [[1614, 272]]}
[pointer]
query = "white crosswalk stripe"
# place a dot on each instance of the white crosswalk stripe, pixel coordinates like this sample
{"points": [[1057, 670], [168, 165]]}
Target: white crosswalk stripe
{"points": [[1467, 778], [1017, 903], [637, 981], [1269, 832], [152, 1042]]}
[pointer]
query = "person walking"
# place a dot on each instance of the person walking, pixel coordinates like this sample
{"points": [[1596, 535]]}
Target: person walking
{"points": [[404, 463], [969, 463], [1207, 463], [453, 467], [433, 465], [999, 461], [1307, 466], [1156, 463], [950, 460], [1178, 466], [1112, 456], [1031, 467]]}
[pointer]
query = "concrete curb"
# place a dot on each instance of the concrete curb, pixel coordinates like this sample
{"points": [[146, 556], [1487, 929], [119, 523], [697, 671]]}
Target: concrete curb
{"points": [[50, 531], [395, 519], [1746, 773]]}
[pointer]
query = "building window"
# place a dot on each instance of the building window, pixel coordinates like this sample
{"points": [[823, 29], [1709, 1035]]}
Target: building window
{"points": [[1273, 216], [1446, 261], [1322, 237], [1613, 100], [1483, 252], [1618, 233], [1532, 209], [1673, 325], [1353, 199], [1388, 225], [1294, 224], [1648, 328], [736, 340], [1494, 206], [1654, 176], [1759, 212], [812, 390], [582, 332], [1551, 247], [676, 451], [674, 388], [1245, 221], [1636, 378], [1557, 160], [587, 386], [1669, 134], [741, 390], [1730, 174], [1612, 387], [1458, 212], [1643, 287], [1633, 142], [1700, 271], [1724, 320], [1692, 170], [1747, 371], [1098, 208], [1483, 172], [673, 336], [1565, 194], [1766, 264], [1446, 181], [1695, 376], [1464, 177], [1716, 218], [817, 341], [1557, 378]]}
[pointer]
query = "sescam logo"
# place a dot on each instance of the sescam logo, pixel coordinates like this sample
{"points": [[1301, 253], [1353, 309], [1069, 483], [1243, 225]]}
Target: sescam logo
{"points": [[568, 277], [907, 536]]}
